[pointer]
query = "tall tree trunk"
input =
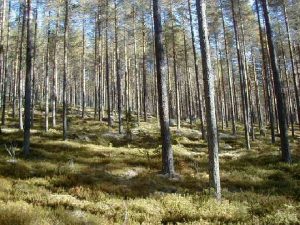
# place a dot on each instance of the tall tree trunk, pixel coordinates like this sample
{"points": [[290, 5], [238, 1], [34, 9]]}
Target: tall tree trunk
{"points": [[288, 92], [265, 74], [54, 81], [209, 90], [286, 20], [118, 72], [96, 71], [257, 96], [145, 93], [242, 77], [26, 143], [136, 75], [47, 77], [109, 121], [20, 68], [83, 97], [65, 104], [229, 74], [3, 19], [177, 97], [167, 151], [188, 81], [126, 73], [196, 72], [34, 68], [282, 115], [5, 69]]}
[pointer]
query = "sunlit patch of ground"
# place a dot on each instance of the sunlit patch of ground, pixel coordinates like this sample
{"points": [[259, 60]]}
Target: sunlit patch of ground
{"points": [[101, 177]]}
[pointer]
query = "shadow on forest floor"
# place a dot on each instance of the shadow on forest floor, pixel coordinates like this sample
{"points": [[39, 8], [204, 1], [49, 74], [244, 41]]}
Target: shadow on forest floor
{"points": [[98, 176]]}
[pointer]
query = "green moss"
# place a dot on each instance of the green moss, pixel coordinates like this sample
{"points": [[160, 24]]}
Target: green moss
{"points": [[98, 177]]}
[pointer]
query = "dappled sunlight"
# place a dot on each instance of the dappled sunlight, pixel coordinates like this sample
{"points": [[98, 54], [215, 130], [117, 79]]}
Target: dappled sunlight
{"points": [[80, 180]]}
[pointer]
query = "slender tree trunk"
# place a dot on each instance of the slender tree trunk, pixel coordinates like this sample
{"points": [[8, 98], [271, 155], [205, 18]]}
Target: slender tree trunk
{"points": [[177, 97], [257, 96], [65, 104], [229, 74], [242, 77], [118, 72], [3, 19], [83, 97], [5, 69], [286, 155], [188, 81], [20, 68], [26, 143], [286, 20], [209, 90], [288, 92], [54, 81], [136, 75], [167, 152], [126, 73], [145, 95], [266, 75], [107, 69], [34, 68], [47, 77], [196, 72]]}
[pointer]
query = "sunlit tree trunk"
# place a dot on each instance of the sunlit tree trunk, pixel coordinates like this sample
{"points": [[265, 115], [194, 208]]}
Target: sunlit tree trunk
{"points": [[292, 60], [188, 80], [65, 65], [167, 152], [47, 77], [20, 69], [286, 155], [33, 91], [118, 72], [196, 72], [109, 119], [229, 74], [209, 90], [268, 99], [83, 97], [5, 69], [176, 80], [54, 79], [136, 75], [241, 67]]}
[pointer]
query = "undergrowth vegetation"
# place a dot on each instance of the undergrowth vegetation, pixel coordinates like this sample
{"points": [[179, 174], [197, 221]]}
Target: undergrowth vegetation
{"points": [[101, 177]]}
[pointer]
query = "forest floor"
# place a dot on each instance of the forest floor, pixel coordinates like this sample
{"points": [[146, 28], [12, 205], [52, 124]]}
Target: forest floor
{"points": [[101, 177]]}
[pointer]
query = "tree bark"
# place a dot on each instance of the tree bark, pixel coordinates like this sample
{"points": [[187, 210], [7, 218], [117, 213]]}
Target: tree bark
{"points": [[241, 67], [209, 90], [109, 121], [65, 104], [118, 72], [229, 74], [196, 72], [83, 97], [286, 20], [167, 151], [176, 81], [5, 69], [26, 143], [20, 69], [47, 77], [282, 115], [54, 81]]}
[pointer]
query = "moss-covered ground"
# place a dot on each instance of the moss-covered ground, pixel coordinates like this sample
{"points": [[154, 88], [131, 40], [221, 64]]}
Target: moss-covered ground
{"points": [[100, 177]]}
